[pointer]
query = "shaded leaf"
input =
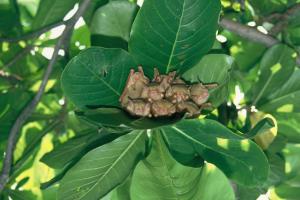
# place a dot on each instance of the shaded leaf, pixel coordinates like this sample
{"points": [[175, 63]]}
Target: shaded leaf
{"points": [[218, 145], [276, 67], [288, 126], [286, 98], [113, 117], [51, 11], [159, 176], [21, 195], [114, 19], [97, 76], [76, 147], [213, 68]]}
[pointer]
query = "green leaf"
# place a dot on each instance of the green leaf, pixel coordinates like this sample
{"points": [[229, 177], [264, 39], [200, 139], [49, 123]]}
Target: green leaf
{"points": [[277, 169], [287, 191], [94, 5], [218, 145], [9, 19], [103, 168], [159, 176], [266, 7], [21, 195], [51, 11], [76, 147], [261, 127], [113, 117], [97, 76], [174, 35], [122, 192], [114, 19], [80, 39], [292, 160], [213, 68], [288, 126], [239, 48], [276, 67], [286, 98]]}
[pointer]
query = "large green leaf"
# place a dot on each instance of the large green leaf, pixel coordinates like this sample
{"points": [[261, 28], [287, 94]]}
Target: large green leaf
{"points": [[288, 126], [286, 98], [159, 176], [114, 117], [213, 68], [97, 77], [276, 67], [103, 168], [174, 34], [51, 11], [9, 18], [21, 195], [240, 159], [114, 19], [76, 147]]}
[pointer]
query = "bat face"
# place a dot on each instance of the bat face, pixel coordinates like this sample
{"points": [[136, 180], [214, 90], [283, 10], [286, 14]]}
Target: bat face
{"points": [[199, 94]]}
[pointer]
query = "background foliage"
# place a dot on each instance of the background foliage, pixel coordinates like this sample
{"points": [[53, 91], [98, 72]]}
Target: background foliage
{"points": [[78, 144]]}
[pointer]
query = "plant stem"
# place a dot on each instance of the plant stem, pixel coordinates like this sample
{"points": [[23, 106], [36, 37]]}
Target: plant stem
{"points": [[25, 114]]}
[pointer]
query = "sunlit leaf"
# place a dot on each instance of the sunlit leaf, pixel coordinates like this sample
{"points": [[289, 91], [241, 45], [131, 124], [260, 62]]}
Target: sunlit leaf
{"points": [[159, 176], [174, 35], [103, 168], [220, 146]]}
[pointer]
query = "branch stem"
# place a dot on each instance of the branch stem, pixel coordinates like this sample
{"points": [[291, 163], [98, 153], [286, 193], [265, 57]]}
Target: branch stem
{"points": [[25, 114]]}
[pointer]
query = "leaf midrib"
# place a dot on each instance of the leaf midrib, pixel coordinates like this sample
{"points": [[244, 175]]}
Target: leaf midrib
{"points": [[266, 84], [197, 142], [279, 98], [176, 38], [139, 134], [164, 162], [99, 78]]}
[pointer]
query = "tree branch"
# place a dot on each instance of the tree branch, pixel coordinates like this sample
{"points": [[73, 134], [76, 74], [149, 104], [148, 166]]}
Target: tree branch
{"points": [[283, 19], [13, 135], [35, 34], [248, 32], [251, 34]]}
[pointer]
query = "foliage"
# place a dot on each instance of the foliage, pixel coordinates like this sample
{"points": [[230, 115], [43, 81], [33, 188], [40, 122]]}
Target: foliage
{"points": [[80, 144]]}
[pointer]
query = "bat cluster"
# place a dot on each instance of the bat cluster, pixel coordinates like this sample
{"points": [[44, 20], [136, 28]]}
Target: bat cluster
{"points": [[165, 95]]}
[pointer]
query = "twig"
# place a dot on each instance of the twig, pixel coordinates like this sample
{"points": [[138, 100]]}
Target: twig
{"points": [[12, 78], [35, 34], [283, 19], [251, 33], [248, 32], [13, 135]]}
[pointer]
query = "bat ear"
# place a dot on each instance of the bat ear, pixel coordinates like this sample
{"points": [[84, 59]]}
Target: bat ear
{"points": [[211, 86], [140, 69], [172, 74], [156, 73]]}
